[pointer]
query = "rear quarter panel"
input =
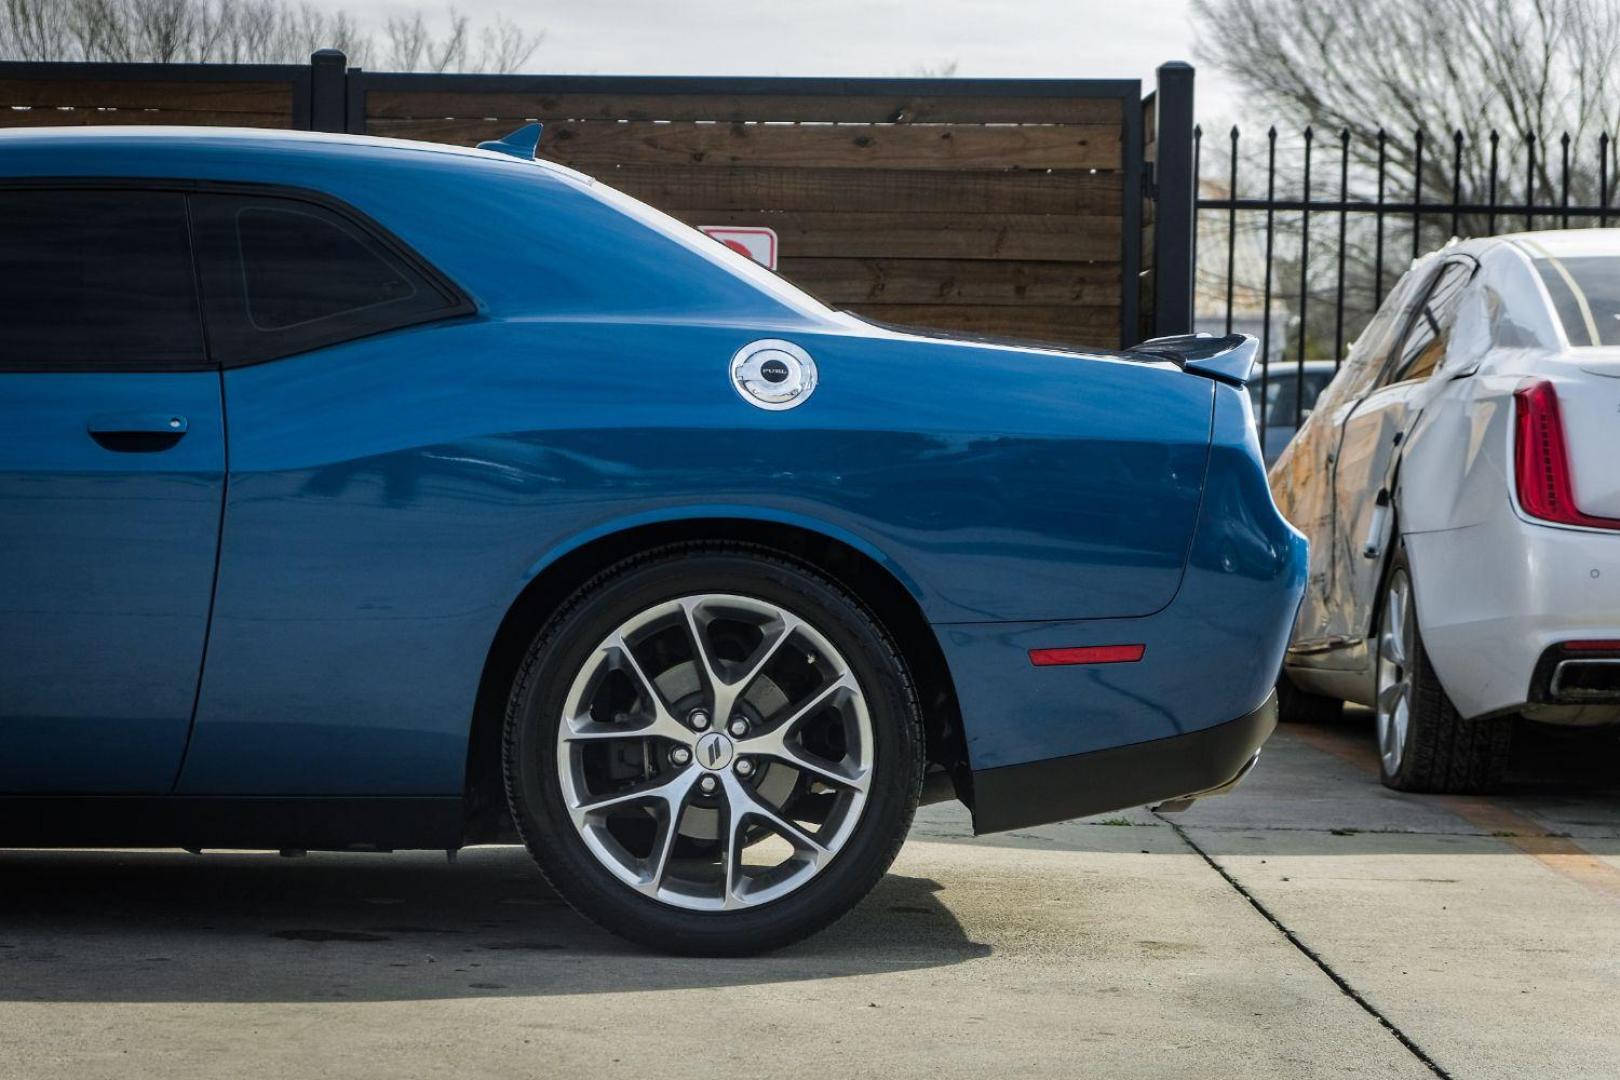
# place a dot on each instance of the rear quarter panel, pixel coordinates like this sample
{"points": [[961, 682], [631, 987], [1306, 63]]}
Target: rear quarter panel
{"points": [[390, 498], [1211, 656]]}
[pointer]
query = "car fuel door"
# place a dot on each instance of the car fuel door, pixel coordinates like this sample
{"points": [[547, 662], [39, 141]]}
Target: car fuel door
{"points": [[1370, 445]]}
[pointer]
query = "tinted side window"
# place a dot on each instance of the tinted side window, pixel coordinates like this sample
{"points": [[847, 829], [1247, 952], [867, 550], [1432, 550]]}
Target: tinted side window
{"points": [[281, 244], [282, 276], [97, 280]]}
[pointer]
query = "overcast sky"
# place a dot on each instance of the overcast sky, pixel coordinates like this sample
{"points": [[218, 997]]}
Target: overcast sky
{"points": [[1030, 38]]}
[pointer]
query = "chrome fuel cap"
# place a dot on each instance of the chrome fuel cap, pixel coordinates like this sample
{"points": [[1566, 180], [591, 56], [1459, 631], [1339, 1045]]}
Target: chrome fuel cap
{"points": [[773, 374]]}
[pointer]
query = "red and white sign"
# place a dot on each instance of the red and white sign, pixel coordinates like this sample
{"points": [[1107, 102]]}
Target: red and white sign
{"points": [[758, 244]]}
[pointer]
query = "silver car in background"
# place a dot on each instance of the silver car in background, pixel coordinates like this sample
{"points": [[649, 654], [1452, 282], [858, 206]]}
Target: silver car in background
{"points": [[1459, 481], [1288, 399]]}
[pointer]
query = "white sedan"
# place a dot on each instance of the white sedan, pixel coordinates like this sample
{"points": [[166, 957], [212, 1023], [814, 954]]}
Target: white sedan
{"points": [[1459, 481]]}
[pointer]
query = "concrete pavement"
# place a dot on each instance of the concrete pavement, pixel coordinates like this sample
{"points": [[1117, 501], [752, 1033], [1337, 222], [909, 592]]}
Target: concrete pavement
{"points": [[1313, 924]]}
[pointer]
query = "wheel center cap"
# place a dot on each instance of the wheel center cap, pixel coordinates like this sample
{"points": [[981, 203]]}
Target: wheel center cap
{"points": [[714, 751]]}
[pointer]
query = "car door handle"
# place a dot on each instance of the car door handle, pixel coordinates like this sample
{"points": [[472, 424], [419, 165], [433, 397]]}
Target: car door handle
{"points": [[137, 432], [1374, 543]]}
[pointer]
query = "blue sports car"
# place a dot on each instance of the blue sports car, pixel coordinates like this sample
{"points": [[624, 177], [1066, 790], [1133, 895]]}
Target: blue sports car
{"points": [[368, 495]]}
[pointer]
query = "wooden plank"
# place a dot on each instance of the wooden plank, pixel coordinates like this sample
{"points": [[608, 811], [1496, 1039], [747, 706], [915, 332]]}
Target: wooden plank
{"points": [[855, 190], [124, 117], [1096, 326], [927, 146], [841, 282], [794, 108], [812, 233], [256, 97]]}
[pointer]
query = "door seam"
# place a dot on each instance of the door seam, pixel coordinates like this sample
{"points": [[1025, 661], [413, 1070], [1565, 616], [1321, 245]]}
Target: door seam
{"points": [[213, 590]]}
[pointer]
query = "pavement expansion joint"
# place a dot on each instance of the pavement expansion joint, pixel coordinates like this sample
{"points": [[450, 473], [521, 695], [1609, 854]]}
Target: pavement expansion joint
{"points": [[1314, 957]]}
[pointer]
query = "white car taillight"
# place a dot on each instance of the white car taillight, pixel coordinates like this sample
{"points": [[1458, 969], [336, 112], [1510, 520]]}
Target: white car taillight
{"points": [[1541, 460]]}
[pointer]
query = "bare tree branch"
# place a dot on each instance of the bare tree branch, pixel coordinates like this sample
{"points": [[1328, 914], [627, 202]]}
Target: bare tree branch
{"points": [[250, 31], [1390, 73]]}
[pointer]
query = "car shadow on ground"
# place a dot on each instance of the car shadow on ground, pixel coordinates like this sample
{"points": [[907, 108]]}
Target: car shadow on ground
{"points": [[1321, 782], [1546, 760], [240, 927]]}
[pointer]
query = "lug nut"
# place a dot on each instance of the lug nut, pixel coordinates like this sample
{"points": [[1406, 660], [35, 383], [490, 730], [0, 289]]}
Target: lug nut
{"points": [[708, 784], [739, 727], [680, 755], [745, 767], [698, 719]]}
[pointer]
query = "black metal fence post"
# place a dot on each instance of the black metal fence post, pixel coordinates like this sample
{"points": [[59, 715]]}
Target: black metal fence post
{"points": [[355, 84], [1133, 205], [1177, 181], [328, 94]]}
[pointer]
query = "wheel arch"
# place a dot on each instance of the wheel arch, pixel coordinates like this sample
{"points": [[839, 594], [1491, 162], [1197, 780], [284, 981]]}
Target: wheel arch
{"points": [[1420, 567], [875, 582], [1394, 546]]}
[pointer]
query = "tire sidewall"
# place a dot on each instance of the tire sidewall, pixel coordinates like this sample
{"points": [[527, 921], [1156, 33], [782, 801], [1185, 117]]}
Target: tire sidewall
{"points": [[1426, 699], [535, 714]]}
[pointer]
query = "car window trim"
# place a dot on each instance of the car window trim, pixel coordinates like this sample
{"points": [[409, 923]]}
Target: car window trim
{"points": [[459, 303]]}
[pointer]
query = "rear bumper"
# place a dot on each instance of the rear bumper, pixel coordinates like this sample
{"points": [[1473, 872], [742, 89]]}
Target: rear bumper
{"points": [[1079, 785], [1494, 599]]}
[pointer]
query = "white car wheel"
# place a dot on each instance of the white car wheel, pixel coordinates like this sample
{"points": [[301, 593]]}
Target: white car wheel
{"points": [[1394, 702], [1424, 743]]}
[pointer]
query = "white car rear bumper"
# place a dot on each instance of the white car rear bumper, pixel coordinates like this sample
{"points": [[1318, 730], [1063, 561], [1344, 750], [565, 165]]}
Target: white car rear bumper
{"points": [[1492, 599]]}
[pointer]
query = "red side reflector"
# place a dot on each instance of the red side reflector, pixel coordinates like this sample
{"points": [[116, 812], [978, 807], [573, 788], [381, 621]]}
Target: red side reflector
{"points": [[1541, 460], [1592, 646], [1087, 654]]}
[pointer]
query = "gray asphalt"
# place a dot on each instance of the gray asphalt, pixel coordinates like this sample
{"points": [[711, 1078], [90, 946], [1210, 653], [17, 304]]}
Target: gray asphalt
{"points": [[1311, 924]]}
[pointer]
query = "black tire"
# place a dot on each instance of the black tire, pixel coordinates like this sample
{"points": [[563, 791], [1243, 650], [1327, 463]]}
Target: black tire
{"points": [[1296, 706], [1444, 752], [535, 709]]}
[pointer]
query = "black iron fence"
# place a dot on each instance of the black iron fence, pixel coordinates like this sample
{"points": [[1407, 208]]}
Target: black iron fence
{"points": [[1300, 248]]}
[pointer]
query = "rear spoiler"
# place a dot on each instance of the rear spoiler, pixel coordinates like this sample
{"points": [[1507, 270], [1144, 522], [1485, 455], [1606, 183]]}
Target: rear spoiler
{"points": [[1230, 359]]}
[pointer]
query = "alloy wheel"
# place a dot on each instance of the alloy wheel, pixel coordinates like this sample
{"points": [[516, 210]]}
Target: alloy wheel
{"points": [[715, 752], [1395, 648]]}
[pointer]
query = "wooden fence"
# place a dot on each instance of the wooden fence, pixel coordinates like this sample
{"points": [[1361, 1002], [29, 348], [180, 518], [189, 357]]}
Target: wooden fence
{"points": [[1025, 208]]}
